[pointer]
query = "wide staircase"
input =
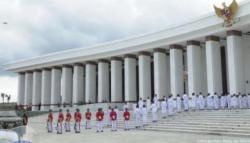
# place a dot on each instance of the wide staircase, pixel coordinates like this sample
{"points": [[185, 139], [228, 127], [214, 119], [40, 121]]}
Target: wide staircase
{"points": [[216, 122], [220, 122]]}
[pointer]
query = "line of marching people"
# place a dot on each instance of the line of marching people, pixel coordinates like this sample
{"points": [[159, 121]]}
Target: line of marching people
{"points": [[170, 105], [64, 121]]}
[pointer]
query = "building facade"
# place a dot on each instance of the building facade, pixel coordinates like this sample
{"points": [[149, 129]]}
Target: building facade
{"points": [[199, 56]]}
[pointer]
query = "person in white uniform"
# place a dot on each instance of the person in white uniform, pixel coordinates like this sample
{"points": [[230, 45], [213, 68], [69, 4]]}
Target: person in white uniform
{"points": [[193, 102], [140, 103], [229, 104], [144, 112], [178, 103], [155, 100], [148, 102], [201, 102], [240, 101], [154, 109], [216, 101], [204, 101], [222, 101], [108, 119], [138, 116], [248, 100], [234, 101], [185, 99], [164, 108], [197, 102], [244, 101], [210, 102], [170, 105]]}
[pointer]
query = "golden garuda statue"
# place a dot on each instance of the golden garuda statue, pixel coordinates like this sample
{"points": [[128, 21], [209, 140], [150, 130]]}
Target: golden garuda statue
{"points": [[227, 12]]}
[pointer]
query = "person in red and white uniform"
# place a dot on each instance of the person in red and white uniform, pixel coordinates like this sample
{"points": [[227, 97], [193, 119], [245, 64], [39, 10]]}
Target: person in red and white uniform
{"points": [[126, 116], [88, 119], [99, 119], [113, 117], [108, 117], [67, 121], [60, 122], [50, 122], [78, 118]]}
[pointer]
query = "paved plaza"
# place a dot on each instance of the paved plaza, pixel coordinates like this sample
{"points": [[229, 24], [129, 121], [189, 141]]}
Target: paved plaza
{"points": [[38, 134]]}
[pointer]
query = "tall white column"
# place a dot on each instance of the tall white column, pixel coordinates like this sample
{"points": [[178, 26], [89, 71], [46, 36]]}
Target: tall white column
{"points": [[28, 88], [176, 69], [90, 84], [168, 75], [194, 67], [130, 78], [160, 72], [203, 70], [213, 56], [103, 81], [78, 84], [46, 89], [116, 79], [55, 86], [36, 92], [235, 62], [67, 84], [144, 75], [21, 89]]}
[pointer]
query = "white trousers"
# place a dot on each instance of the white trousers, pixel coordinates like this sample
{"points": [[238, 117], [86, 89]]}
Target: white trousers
{"points": [[185, 106], [170, 111], [138, 121], [67, 126], [99, 126], [126, 124], [144, 119], [50, 127], [114, 125], [77, 127], [178, 107], [108, 120], [59, 128], [154, 115], [88, 124]]}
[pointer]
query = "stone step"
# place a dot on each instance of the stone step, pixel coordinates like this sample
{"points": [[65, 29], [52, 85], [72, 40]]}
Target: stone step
{"points": [[213, 115], [205, 123], [202, 129], [169, 125], [199, 132], [217, 113], [210, 119]]}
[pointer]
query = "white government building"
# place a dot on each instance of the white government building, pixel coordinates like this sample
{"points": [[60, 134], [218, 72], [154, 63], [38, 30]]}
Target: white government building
{"points": [[199, 56]]}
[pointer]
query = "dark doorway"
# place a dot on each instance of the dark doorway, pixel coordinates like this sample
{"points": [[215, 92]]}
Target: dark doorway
{"points": [[137, 82], [224, 69], [152, 79], [123, 85]]}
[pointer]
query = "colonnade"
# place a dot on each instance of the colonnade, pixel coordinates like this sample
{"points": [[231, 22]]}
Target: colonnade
{"points": [[136, 75]]}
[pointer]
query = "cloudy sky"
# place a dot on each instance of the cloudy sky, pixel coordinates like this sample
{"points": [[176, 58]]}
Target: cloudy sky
{"points": [[36, 27]]}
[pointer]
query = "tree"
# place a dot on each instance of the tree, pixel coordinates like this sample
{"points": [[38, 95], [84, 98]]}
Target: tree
{"points": [[8, 98], [3, 96]]}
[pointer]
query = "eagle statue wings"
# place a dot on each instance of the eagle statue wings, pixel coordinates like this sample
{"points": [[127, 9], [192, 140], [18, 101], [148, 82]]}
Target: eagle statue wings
{"points": [[227, 12]]}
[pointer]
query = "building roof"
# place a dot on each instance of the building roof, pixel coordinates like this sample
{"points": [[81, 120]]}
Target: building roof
{"points": [[196, 29]]}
